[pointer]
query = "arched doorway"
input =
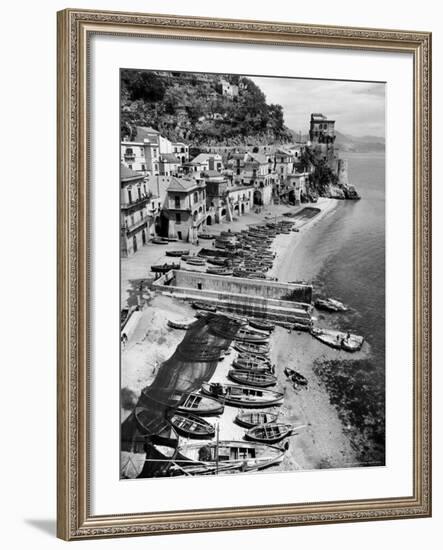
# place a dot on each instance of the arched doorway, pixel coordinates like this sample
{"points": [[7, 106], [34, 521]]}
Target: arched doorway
{"points": [[209, 220], [258, 199], [223, 213], [242, 208]]}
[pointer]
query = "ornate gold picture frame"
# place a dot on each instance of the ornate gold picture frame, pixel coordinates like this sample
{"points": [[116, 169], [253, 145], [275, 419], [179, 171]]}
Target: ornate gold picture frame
{"points": [[75, 28]]}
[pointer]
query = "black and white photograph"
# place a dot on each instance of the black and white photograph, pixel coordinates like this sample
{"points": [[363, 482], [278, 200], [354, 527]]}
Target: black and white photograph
{"points": [[252, 274]]}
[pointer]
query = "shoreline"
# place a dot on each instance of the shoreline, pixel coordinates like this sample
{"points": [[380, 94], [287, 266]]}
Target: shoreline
{"points": [[325, 442]]}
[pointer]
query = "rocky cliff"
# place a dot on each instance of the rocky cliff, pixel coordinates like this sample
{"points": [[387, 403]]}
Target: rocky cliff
{"points": [[202, 109]]}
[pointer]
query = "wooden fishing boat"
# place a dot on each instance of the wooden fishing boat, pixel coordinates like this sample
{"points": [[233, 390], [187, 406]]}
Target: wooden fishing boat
{"points": [[247, 347], [246, 335], [296, 377], [329, 304], [301, 326], [255, 418], [183, 324], [251, 365], [269, 433], [205, 307], [208, 236], [217, 261], [252, 378], [219, 271], [191, 426], [224, 457], [242, 396], [159, 240], [199, 404], [261, 325], [194, 260], [177, 253], [164, 268], [150, 423], [339, 340]]}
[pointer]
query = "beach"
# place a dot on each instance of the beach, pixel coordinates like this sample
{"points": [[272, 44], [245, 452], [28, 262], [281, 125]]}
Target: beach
{"points": [[324, 440]]}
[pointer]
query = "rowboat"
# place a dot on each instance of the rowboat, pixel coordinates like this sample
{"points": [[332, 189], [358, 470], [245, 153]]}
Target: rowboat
{"points": [[206, 236], [159, 240], [150, 423], [191, 426], [177, 253], [296, 377], [251, 365], [184, 324], [249, 336], [219, 271], [261, 325], [199, 404], [339, 340], [217, 261], [163, 268], [202, 305], [247, 347], [269, 433], [224, 457], [194, 260], [330, 304], [242, 396], [251, 378], [255, 418], [302, 327]]}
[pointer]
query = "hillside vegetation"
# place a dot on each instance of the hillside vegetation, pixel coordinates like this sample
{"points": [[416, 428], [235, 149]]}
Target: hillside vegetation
{"points": [[191, 107]]}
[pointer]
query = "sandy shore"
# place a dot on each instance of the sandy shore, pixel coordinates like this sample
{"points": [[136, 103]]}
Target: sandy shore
{"points": [[324, 443]]}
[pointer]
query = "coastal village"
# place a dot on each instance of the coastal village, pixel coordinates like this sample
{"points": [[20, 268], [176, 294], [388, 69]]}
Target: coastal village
{"points": [[211, 312]]}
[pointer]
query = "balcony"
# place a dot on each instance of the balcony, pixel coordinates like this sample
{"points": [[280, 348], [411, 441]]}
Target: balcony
{"points": [[129, 227], [137, 202]]}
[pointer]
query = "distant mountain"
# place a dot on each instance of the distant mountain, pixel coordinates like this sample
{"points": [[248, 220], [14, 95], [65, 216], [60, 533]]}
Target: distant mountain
{"points": [[359, 144]]}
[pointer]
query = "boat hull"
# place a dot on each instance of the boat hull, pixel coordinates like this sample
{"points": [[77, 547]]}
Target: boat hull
{"points": [[244, 396], [250, 378], [201, 458], [269, 433]]}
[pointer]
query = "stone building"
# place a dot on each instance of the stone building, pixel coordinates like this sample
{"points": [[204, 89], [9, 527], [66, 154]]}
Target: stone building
{"points": [[228, 89], [151, 153], [255, 170], [185, 208], [224, 200], [322, 130], [134, 220]]}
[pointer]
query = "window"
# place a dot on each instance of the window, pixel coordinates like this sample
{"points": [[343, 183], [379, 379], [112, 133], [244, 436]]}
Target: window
{"points": [[195, 197], [139, 191], [129, 151], [144, 168], [178, 218], [141, 214], [177, 201], [129, 196], [132, 219], [144, 185]]}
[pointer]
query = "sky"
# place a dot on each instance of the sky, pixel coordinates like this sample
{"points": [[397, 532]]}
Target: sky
{"points": [[357, 107]]}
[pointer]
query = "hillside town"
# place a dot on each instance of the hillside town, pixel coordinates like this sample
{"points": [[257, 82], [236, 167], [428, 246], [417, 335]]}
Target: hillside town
{"points": [[174, 191]]}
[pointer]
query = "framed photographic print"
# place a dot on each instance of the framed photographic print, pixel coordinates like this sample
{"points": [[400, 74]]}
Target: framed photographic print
{"points": [[243, 274]]}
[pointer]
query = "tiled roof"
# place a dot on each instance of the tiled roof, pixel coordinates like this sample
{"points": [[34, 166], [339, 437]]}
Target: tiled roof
{"points": [[128, 174], [146, 132], [182, 184], [204, 157], [258, 157]]}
